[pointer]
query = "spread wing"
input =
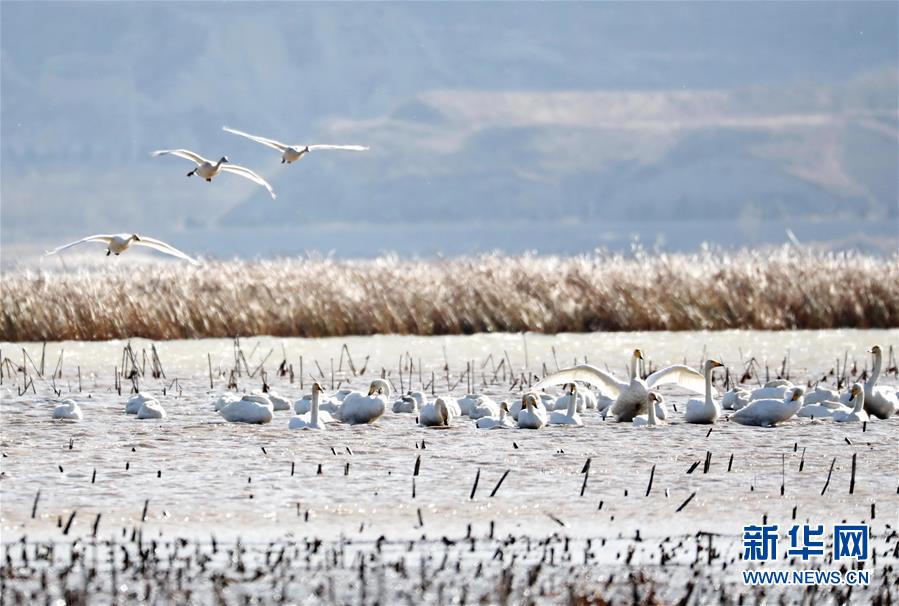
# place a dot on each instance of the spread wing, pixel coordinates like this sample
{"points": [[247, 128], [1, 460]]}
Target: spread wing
{"points": [[269, 142], [608, 384], [248, 174], [677, 374], [182, 153], [105, 239], [163, 247], [343, 147]]}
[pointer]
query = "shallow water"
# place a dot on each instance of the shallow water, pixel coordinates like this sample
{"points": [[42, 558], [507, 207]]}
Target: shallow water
{"points": [[200, 476]]}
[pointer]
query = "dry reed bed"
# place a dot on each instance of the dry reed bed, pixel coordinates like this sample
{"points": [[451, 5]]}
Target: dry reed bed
{"points": [[314, 297]]}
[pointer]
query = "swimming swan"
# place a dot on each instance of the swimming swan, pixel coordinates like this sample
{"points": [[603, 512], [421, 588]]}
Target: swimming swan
{"points": [[503, 422], [151, 409], [631, 397], [208, 169], [769, 412], [311, 419], [68, 410], [881, 402], [531, 417], [650, 419], [483, 406], [708, 410], [249, 409], [116, 244], [570, 416], [359, 408], [858, 413], [435, 414], [292, 153], [132, 406]]}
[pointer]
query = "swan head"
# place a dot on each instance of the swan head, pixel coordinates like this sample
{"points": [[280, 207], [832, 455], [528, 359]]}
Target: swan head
{"points": [[797, 393], [135, 237], [530, 400], [572, 388], [317, 387], [876, 350], [504, 406], [379, 386], [710, 364], [654, 397], [853, 391], [224, 159], [638, 354]]}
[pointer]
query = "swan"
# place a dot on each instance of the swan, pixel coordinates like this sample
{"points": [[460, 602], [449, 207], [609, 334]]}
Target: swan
{"points": [[858, 413], [436, 414], [735, 399], [769, 412], [132, 406], [208, 169], [650, 419], [116, 244], [311, 420], [292, 153], [483, 407], [359, 408], [586, 399], [881, 402], [325, 405], [631, 396], [465, 402], [570, 416], [225, 399], [249, 409], [540, 405], [278, 403], [708, 410], [411, 403], [503, 422], [531, 416], [824, 409], [151, 409], [767, 393], [68, 410], [819, 395]]}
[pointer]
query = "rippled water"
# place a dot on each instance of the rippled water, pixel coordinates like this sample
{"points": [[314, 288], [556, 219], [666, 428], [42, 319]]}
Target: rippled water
{"points": [[202, 475]]}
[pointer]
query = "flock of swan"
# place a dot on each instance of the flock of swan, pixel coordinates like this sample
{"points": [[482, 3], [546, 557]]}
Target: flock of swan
{"points": [[632, 401], [206, 169]]}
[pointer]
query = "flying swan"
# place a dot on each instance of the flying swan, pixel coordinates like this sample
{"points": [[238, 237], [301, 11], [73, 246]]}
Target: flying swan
{"points": [[632, 396], [292, 153], [209, 169], [116, 244]]}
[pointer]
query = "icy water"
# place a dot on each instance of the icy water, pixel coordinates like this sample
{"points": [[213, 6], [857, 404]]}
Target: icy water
{"points": [[193, 475]]}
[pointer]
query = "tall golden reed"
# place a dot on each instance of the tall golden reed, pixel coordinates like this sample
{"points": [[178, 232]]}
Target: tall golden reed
{"points": [[783, 288]]}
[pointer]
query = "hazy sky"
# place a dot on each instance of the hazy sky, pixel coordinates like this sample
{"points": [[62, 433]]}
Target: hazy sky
{"points": [[491, 116]]}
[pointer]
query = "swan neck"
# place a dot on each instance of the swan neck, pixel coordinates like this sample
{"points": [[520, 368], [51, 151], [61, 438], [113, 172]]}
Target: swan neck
{"points": [[314, 419], [859, 401], [572, 405], [633, 368], [652, 412], [875, 372], [708, 386]]}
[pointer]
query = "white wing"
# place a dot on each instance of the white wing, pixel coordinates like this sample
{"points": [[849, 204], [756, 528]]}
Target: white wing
{"points": [[269, 142], [344, 147], [163, 247], [608, 385], [248, 174], [677, 374], [97, 238], [182, 153]]}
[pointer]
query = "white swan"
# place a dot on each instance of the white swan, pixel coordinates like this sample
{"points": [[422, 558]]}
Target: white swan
{"points": [[132, 406], [436, 414], [631, 396], [410, 403], [310, 420], [483, 407], [570, 416], [858, 413], [249, 409], [767, 393], [292, 153], [151, 409], [503, 422], [824, 409], [735, 399], [359, 408], [650, 419], [531, 416], [820, 394], [278, 402], [882, 402], [769, 412], [116, 244], [207, 169], [585, 399], [708, 410], [68, 410], [540, 405]]}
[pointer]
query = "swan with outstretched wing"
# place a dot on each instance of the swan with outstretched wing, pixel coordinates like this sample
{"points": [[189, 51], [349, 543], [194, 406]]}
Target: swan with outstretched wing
{"points": [[292, 153]]}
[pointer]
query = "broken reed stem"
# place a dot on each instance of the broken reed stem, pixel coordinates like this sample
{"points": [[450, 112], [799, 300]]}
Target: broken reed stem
{"points": [[500, 483]]}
